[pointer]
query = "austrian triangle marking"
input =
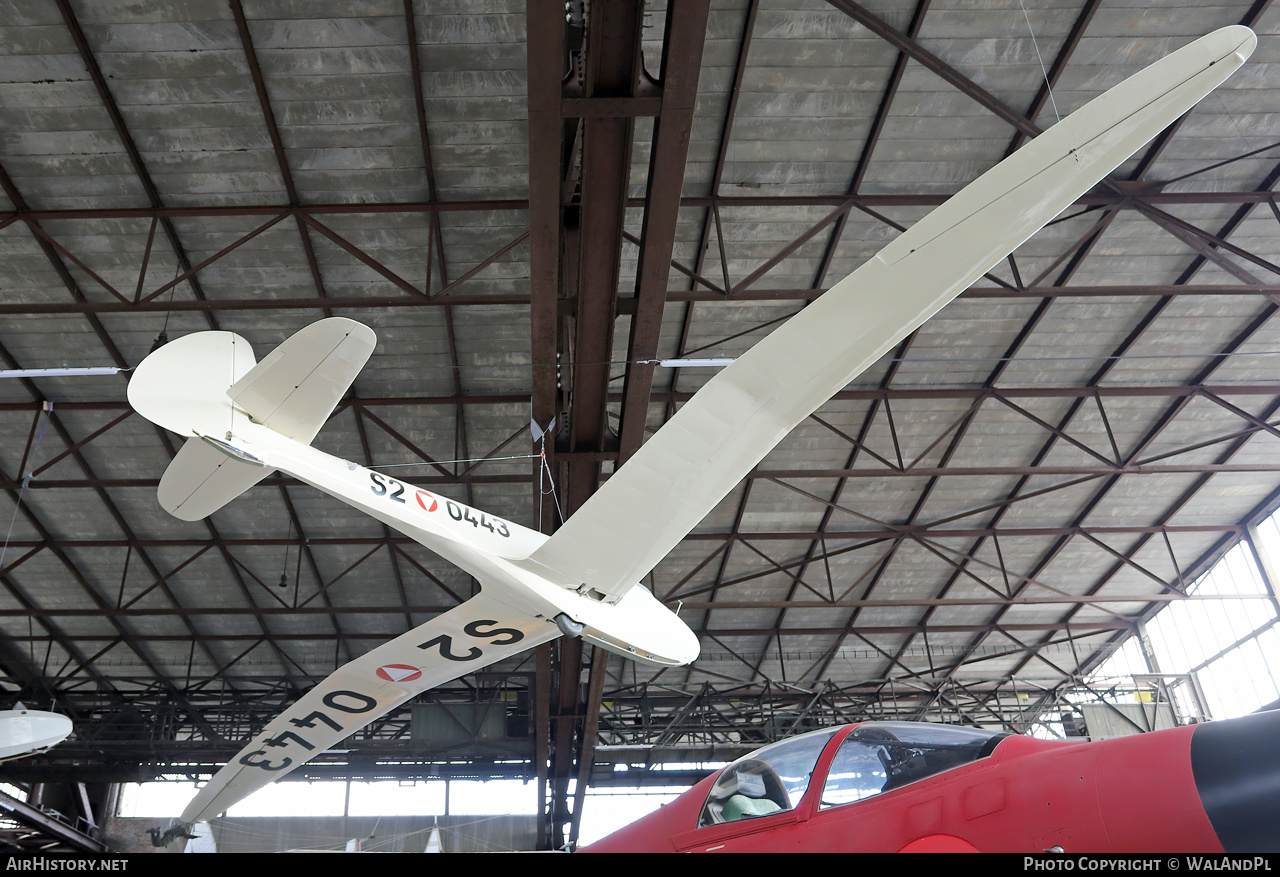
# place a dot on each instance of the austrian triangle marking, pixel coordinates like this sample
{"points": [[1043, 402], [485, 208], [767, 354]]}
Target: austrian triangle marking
{"points": [[398, 672]]}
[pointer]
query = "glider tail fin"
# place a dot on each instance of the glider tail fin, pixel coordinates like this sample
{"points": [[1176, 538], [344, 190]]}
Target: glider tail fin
{"points": [[208, 384]]}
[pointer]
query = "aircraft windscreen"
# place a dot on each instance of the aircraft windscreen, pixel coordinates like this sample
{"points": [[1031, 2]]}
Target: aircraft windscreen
{"points": [[769, 780], [880, 756]]}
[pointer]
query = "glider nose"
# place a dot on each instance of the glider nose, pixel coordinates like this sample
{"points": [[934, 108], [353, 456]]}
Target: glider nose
{"points": [[1236, 764]]}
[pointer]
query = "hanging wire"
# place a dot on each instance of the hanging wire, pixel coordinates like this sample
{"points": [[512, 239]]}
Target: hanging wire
{"points": [[1043, 71], [47, 408], [163, 338], [446, 462], [545, 478], [1087, 357], [284, 571]]}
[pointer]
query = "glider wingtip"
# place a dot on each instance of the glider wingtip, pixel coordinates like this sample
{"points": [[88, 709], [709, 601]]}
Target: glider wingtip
{"points": [[1237, 40], [1247, 44]]}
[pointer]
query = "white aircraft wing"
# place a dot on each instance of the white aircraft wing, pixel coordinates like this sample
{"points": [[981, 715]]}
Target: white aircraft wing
{"points": [[713, 442], [478, 633]]}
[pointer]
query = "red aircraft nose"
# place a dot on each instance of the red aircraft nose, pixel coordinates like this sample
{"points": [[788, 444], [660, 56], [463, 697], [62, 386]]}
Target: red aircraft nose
{"points": [[1236, 764]]}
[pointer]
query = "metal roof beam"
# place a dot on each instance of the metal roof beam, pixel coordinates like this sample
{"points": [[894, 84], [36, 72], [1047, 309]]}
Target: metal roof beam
{"points": [[681, 64], [130, 147], [930, 61]]}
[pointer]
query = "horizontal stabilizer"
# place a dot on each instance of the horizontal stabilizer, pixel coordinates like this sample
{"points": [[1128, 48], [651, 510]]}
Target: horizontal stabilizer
{"points": [[296, 387], [202, 479]]}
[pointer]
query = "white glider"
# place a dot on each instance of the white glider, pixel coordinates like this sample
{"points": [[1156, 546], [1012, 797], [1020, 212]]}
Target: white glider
{"points": [[246, 420]]}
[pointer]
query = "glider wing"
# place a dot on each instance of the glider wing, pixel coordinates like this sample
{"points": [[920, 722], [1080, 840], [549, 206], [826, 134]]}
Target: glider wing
{"points": [[681, 473], [476, 634]]}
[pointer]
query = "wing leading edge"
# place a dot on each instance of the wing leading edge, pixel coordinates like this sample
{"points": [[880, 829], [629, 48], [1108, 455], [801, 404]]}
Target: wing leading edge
{"points": [[681, 473]]}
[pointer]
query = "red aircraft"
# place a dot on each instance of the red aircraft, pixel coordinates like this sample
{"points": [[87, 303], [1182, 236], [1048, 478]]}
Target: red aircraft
{"points": [[914, 787]]}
